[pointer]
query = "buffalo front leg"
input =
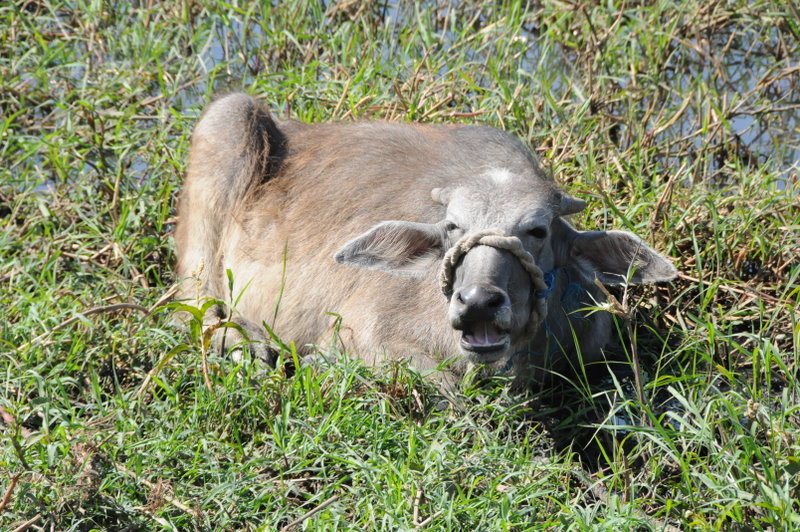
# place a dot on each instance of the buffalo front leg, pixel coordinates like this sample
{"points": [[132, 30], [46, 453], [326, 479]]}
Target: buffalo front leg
{"points": [[238, 335]]}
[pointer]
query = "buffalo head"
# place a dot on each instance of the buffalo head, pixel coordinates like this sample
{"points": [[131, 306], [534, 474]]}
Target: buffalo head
{"points": [[496, 249]]}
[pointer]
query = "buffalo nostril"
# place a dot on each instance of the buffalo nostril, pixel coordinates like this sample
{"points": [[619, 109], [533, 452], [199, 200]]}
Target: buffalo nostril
{"points": [[482, 297], [496, 299]]}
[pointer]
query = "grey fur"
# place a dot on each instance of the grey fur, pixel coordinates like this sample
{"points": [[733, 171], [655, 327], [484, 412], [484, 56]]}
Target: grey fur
{"points": [[364, 213]]}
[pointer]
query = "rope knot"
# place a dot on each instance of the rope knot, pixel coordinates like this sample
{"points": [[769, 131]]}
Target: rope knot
{"points": [[541, 284], [496, 239]]}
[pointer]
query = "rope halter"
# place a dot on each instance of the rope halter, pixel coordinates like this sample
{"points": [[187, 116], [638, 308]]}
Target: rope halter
{"points": [[542, 283]]}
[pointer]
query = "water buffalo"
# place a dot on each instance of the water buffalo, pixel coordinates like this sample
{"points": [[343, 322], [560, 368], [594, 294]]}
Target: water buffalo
{"points": [[428, 242]]}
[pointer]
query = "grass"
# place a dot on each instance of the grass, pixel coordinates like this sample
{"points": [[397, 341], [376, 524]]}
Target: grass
{"points": [[675, 120]]}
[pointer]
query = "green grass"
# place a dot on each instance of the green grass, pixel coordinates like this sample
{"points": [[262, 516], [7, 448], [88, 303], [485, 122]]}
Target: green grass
{"points": [[678, 121]]}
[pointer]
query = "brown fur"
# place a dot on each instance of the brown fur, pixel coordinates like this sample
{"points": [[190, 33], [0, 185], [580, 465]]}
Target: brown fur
{"points": [[259, 194]]}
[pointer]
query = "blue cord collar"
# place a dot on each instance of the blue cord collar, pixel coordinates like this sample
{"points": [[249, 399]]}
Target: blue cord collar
{"points": [[550, 281]]}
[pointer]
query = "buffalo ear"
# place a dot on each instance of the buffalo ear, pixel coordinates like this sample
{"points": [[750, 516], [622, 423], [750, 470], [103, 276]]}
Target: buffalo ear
{"points": [[403, 248], [617, 256]]}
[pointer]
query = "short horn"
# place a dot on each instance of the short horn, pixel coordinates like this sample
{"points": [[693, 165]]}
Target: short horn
{"points": [[440, 195], [570, 205]]}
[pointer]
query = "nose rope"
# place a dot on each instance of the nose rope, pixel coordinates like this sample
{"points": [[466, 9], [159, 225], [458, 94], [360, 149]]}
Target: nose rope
{"points": [[496, 239]]}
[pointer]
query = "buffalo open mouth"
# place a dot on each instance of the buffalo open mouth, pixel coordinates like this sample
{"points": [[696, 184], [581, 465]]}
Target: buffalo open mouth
{"points": [[484, 337]]}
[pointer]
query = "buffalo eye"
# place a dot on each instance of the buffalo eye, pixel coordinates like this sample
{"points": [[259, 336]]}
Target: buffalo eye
{"points": [[539, 232]]}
